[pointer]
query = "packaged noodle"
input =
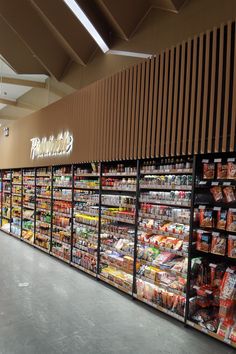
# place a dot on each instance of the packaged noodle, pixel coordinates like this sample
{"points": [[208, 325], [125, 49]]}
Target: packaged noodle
{"points": [[218, 244], [231, 170], [231, 220], [221, 219], [229, 194], [232, 246], [217, 193], [208, 170], [222, 170]]}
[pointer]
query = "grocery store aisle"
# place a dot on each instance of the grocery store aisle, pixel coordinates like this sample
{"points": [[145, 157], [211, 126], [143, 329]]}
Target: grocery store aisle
{"points": [[48, 307]]}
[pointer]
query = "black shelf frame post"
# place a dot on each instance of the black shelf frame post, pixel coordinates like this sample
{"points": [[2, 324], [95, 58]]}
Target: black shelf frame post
{"points": [[188, 284], [99, 218], [22, 202], [136, 227], [35, 196], [10, 222], [72, 212], [51, 228], [1, 194]]}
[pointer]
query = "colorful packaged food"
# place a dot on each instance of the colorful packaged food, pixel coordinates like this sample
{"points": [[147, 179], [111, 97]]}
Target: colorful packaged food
{"points": [[232, 246], [229, 194], [222, 170], [232, 335], [203, 241], [228, 286], [223, 330], [208, 170], [217, 193], [218, 244], [205, 217], [231, 220], [221, 219], [231, 170]]}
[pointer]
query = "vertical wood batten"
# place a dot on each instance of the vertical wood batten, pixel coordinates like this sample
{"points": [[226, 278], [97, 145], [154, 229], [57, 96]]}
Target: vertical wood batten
{"points": [[112, 115], [227, 87], [155, 104], [193, 97], [181, 98], [219, 91], [118, 115], [126, 102], [159, 104], [150, 109], [141, 109], [133, 120], [206, 91], [232, 146], [129, 117], [145, 109], [165, 103], [212, 94], [170, 103], [175, 102]]}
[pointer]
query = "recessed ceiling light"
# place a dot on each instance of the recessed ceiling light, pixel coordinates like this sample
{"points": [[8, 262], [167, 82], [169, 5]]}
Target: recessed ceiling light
{"points": [[81, 16], [130, 54]]}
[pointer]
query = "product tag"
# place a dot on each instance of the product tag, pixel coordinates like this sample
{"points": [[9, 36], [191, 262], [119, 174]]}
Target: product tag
{"points": [[202, 207], [232, 237], [205, 160], [217, 208], [215, 234], [229, 270], [228, 341], [202, 182], [217, 160], [226, 183], [214, 183], [232, 159], [205, 330], [213, 265]]}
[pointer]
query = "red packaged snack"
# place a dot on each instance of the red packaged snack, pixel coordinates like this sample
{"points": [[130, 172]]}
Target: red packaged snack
{"points": [[223, 330], [222, 170], [231, 170], [228, 286], [232, 246], [221, 219], [229, 194], [231, 220], [226, 311], [203, 241], [232, 335], [218, 244], [205, 218], [217, 193], [208, 170]]}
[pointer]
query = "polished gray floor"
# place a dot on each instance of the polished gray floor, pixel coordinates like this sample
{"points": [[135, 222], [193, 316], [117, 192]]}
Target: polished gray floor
{"points": [[48, 307]]}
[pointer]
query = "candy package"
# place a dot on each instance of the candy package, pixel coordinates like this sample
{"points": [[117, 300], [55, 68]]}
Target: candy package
{"points": [[231, 170], [208, 170], [232, 246], [223, 330], [203, 241], [231, 220], [226, 311], [218, 244], [205, 217], [229, 194], [216, 193], [228, 286], [222, 170], [221, 219]]}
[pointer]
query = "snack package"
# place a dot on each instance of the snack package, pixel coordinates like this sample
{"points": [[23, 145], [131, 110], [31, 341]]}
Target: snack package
{"points": [[231, 170], [229, 194], [223, 330], [205, 218], [232, 246], [231, 220], [217, 193], [218, 244], [221, 219], [226, 311], [228, 286], [203, 241], [222, 170], [232, 335], [208, 170]]}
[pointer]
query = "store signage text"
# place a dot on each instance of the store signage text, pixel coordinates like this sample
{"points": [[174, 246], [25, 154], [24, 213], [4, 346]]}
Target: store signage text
{"points": [[45, 147]]}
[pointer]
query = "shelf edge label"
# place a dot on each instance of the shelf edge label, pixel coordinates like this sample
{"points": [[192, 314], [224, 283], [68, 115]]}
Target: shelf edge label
{"points": [[47, 147]]}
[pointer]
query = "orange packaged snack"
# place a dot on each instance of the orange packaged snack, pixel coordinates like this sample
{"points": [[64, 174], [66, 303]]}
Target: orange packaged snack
{"points": [[229, 194], [208, 170], [205, 218], [217, 193], [222, 170], [218, 244], [221, 219], [232, 246], [231, 220], [231, 170]]}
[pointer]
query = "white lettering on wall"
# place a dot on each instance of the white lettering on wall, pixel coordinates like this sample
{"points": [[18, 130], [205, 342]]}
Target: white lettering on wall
{"points": [[61, 145]]}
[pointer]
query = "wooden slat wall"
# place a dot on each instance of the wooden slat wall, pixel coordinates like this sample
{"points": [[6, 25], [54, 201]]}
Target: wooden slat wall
{"points": [[182, 101]]}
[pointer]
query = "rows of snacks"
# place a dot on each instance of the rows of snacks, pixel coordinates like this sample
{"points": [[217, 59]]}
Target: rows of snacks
{"points": [[128, 224], [163, 235], [213, 267]]}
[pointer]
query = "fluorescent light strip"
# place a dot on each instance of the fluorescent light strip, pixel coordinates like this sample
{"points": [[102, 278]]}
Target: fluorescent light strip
{"points": [[130, 54], [81, 16]]}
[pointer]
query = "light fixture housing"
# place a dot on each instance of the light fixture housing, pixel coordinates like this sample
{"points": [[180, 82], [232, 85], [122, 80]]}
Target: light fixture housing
{"points": [[130, 54], [85, 21]]}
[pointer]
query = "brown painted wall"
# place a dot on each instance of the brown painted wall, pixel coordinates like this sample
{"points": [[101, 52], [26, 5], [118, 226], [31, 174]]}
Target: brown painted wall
{"points": [[181, 102]]}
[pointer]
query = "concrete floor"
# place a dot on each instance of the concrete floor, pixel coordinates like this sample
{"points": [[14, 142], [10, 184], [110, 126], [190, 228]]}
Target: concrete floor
{"points": [[61, 310]]}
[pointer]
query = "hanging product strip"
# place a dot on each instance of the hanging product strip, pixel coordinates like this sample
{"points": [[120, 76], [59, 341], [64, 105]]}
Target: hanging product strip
{"points": [[162, 231]]}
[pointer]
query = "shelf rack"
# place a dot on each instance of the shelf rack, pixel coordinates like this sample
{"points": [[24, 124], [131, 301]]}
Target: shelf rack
{"points": [[109, 198]]}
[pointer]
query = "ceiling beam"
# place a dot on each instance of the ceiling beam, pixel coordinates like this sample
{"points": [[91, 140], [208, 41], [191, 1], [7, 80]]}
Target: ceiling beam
{"points": [[19, 104], [73, 37], [36, 35], [21, 82]]}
